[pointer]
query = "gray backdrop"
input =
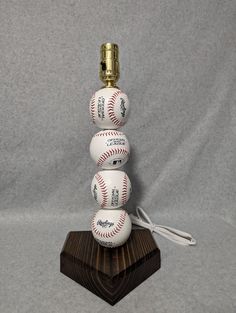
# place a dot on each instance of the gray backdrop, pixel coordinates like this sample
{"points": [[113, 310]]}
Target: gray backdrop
{"points": [[178, 69]]}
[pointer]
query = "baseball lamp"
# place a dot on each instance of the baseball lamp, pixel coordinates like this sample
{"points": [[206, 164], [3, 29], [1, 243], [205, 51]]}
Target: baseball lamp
{"points": [[112, 258]]}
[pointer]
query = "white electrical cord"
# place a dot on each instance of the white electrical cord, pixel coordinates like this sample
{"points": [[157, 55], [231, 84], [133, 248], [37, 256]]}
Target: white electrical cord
{"points": [[175, 235]]}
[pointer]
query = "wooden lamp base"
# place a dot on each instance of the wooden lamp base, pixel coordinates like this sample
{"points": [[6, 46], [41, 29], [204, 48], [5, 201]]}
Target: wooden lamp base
{"points": [[110, 273]]}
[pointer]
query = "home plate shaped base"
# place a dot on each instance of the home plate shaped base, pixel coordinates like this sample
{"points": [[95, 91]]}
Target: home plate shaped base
{"points": [[110, 273]]}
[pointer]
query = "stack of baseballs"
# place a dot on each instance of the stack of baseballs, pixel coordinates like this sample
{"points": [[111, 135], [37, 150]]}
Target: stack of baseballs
{"points": [[110, 149]]}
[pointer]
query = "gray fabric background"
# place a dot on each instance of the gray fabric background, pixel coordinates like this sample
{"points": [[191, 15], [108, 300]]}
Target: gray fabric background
{"points": [[178, 68]]}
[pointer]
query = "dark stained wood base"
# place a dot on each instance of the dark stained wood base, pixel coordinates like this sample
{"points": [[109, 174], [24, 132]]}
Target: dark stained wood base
{"points": [[110, 273]]}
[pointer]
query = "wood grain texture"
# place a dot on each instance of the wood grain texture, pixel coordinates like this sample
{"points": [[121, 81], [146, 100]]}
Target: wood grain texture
{"points": [[110, 273]]}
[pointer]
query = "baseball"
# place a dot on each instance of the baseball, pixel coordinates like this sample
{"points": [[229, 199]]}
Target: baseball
{"points": [[109, 149], [111, 228], [109, 108], [111, 189]]}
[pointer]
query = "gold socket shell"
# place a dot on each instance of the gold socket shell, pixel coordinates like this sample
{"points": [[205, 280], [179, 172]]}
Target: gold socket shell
{"points": [[109, 66]]}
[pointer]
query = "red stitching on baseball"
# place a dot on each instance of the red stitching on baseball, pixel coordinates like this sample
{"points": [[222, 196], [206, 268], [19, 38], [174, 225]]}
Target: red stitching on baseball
{"points": [[115, 231], [103, 188], [120, 222], [124, 189], [109, 133], [109, 153], [110, 106], [92, 108]]}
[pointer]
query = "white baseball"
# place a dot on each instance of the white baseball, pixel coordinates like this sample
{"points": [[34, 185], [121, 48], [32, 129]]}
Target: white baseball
{"points": [[109, 149], [111, 189], [111, 228], [109, 108]]}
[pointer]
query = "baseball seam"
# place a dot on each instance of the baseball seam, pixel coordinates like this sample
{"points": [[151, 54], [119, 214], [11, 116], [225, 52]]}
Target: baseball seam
{"points": [[110, 106], [109, 133], [92, 108], [124, 190], [103, 189], [109, 153], [112, 233]]}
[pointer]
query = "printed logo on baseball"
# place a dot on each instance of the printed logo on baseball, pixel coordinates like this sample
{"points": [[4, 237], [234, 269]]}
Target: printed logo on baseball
{"points": [[109, 149], [111, 189], [109, 108], [111, 228]]}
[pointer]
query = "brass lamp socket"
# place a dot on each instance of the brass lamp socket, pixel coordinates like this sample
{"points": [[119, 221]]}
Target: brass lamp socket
{"points": [[109, 66]]}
